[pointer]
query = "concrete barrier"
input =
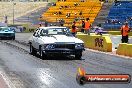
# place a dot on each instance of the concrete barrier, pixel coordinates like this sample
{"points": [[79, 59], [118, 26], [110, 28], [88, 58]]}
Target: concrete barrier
{"points": [[96, 42], [124, 49], [121, 49]]}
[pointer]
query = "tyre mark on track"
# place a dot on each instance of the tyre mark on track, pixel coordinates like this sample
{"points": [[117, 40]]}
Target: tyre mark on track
{"points": [[41, 62], [75, 64], [84, 63], [71, 74]]}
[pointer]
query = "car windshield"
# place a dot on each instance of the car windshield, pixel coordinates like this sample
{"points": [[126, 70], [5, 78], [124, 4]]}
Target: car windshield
{"points": [[4, 28], [56, 31]]}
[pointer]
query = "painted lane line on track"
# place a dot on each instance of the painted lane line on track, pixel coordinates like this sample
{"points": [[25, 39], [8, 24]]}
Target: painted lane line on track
{"points": [[6, 80], [2, 82]]}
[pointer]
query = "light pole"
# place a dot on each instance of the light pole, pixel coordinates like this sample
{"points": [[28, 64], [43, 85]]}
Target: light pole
{"points": [[13, 12]]}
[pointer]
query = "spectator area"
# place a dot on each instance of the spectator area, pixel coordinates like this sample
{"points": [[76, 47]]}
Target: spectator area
{"points": [[120, 12], [72, 10], [20, 9]]}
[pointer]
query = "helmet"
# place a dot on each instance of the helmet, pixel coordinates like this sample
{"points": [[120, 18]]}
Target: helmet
{"points": [[126, 22]]}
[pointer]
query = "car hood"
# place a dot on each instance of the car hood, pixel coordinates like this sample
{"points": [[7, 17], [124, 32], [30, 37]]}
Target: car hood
{"points": [[60, 39], [6, 31]]}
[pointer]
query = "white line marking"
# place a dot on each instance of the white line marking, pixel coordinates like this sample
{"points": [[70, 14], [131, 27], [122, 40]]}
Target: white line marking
{"points": [[7, 81]]}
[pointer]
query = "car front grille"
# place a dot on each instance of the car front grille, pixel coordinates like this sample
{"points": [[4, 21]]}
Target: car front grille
{"points": [[7, 34], [67, 46]]}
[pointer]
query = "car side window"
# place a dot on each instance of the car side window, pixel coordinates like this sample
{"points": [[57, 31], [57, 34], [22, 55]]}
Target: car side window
{"points": [[36, 32], [43, 32]]}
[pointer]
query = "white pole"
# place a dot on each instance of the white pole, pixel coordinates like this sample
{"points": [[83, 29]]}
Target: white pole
{"points": [[13, 11]]}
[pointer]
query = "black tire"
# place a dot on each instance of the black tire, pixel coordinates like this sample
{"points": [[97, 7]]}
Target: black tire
{"points": [[32, 50], [42, 54], [78, 55], [13, 38]]}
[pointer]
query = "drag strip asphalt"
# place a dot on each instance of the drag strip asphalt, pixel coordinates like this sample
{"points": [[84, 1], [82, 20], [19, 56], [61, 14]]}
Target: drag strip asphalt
{"points": [[28, 71]]}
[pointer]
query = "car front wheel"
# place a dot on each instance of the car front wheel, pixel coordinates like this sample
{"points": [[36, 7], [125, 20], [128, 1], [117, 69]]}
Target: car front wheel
{"points": [[78, 55], [13, 38], [42, 54]]}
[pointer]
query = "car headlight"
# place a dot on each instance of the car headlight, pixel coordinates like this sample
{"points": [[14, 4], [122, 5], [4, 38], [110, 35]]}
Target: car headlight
{"points": [[49, 46], [79, 46]]}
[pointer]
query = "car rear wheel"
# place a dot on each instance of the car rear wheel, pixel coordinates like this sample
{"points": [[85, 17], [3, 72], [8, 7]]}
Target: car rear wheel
{"points": [[32, 50], [78, 55]]}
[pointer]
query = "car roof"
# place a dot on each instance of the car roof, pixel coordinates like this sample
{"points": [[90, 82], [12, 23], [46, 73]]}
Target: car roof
{"points": [[51, 27]]}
